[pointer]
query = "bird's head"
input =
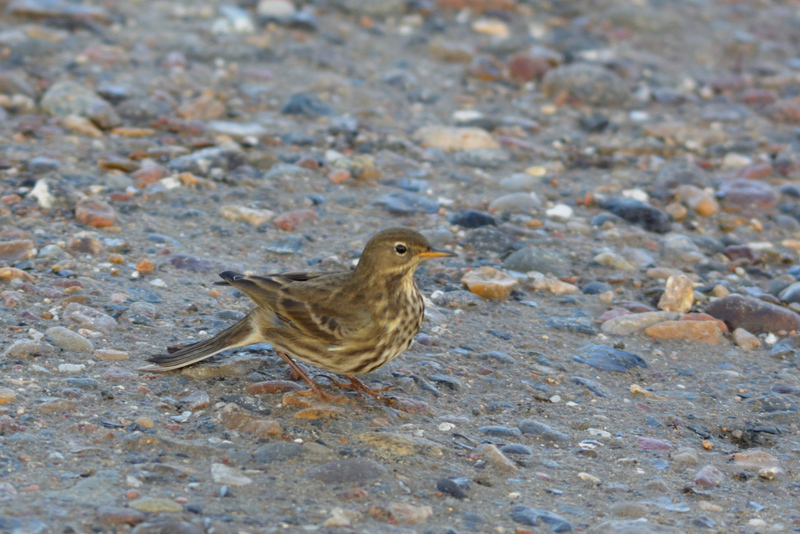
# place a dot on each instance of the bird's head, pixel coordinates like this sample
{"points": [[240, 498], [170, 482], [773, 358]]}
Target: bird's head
{"points": [[397, 250]]}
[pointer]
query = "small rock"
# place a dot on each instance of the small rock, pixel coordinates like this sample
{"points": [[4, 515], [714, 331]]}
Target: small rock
{"points": [[471, 219], [754, 315], [497, 459], [698, 200], [454, 486], [67, 339], [543, 260], [745, 340], [588, 84], [489, 283], [119, 515], [633, 527], [624, 325], [560, 213], [638, 212], [347, 471], [542, 431], [533, 517], [89, 317], [95, 213], [13, 251], [253, 217], [615, 261], [306, 104], [651, 444], [755, 459], [401, 444], [678, 295], [407, 203], [709, 476], [703, 331], [609, 358], [111, 355], [7, 395], [25, 348], [450, 139], [527, 203], [223, 474], [408, 514], [155, 505]]}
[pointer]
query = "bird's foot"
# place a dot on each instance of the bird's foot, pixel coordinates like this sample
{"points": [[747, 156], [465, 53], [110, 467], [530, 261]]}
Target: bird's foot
{"points": [[360, 387]]}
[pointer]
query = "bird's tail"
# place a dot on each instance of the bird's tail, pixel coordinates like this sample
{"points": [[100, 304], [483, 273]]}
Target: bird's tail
{"points": [[239, 335]]}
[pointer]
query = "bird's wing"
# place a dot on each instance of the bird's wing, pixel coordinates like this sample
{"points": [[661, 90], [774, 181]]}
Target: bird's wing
{"points": [[307, 310]]}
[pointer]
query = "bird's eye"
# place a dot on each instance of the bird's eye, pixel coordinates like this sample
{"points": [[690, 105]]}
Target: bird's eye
{"points": [[400, 249]]}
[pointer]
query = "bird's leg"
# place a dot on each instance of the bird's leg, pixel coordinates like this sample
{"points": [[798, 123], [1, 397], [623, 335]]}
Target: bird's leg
{"points": [[296, 368], [360, 386]]}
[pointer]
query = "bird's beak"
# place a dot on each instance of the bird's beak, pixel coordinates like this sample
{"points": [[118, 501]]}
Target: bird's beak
{"points": [[433, 253]]}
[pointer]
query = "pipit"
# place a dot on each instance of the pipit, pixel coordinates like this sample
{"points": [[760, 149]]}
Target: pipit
{"points": [[349, 323]]}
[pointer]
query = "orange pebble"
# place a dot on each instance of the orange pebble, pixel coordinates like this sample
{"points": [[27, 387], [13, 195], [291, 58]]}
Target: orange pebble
{"points": [[116, 258], [144, 265]]}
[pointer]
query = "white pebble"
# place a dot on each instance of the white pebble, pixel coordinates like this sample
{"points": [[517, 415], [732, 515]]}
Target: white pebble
{"points": [[444, 427], [158, 282], [560, 212], [71, 367]]}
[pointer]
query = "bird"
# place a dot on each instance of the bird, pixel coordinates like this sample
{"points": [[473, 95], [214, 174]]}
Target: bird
{"points": [[346, 322]]}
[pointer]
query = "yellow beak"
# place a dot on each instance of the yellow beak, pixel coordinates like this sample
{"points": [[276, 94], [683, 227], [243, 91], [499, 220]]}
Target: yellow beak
{"points": [[433, 253]]}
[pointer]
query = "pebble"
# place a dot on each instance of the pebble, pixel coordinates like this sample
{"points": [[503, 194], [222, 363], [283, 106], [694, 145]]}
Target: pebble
{"points": [[534, 517], [250, 424], [615, 261], [223, 474], [278, 451], [96, 213], [306, 104], [609, 358], [638, 212], [111, 355], [89, 317], [472, 219], [496, 459], [347, 471], [69, 98], [25, 349], [67, 339], [678, 295], [709, 476], [745, 340], [586, 83], [543, 260], [551, 284], [490, 283], [651, 444], [407, 203], [155, 505], [633, 527], [118, 515], [515, 203], [702, 331], [560, 212], [7, 395], [754, 315], [457, 487], [253, 217], [542, 431], [18, 250], [408, 514], [450, 139], [401, 444], [624, 325]]}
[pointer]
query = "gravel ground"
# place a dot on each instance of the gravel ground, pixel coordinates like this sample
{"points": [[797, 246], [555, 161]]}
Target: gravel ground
{"points": [[614, 350]]}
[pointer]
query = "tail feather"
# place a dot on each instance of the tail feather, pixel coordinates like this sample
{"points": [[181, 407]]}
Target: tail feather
{"points": [[239, 335]]}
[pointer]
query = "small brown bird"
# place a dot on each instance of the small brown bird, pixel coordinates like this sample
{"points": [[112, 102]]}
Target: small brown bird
{"points": [[350, 322]]}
